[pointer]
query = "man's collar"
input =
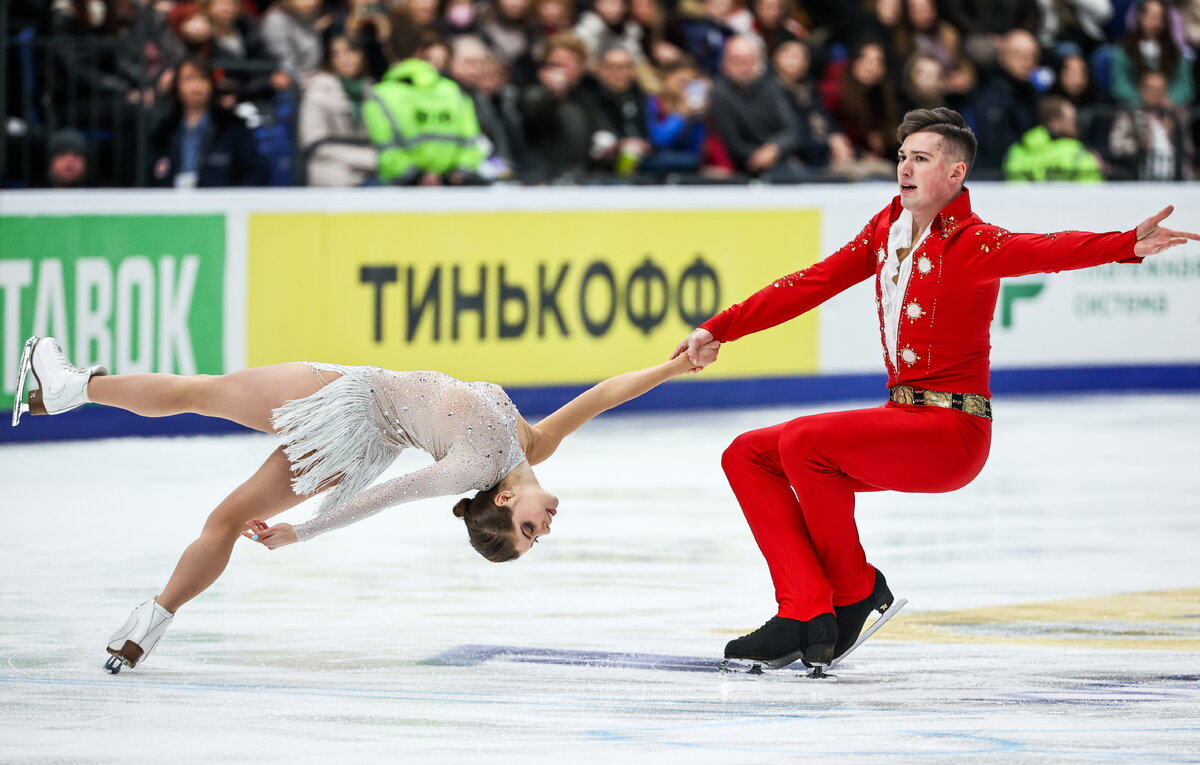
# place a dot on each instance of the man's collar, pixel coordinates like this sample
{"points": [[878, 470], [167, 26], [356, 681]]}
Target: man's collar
{"points": [[954, 214]]}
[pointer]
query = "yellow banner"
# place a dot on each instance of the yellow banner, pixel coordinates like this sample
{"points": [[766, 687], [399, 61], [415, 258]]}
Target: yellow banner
{"points": [[521, 298]]}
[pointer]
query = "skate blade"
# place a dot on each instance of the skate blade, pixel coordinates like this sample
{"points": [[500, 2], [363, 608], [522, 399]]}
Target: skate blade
{"points": [[19, 405], [762, 669], [883, 618]]}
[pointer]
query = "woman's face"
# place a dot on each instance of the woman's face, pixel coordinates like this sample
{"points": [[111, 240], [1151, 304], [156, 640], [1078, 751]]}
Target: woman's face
{"points": [[553, 14], [196, 29], [422, 12], [922, 14], [224, 12], [195, 90], [514, 9], [677, 81], [304, 8], [1074, 75], [888, 12], [533, 510], [1152, 18], [928, 77], [768, 12], [868, 68], [344, 60], [791, 61], [644, 12], [612, 11]]}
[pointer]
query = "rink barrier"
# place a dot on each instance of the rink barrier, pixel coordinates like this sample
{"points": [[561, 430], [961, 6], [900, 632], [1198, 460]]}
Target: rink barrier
{"points": [[533, 402]]}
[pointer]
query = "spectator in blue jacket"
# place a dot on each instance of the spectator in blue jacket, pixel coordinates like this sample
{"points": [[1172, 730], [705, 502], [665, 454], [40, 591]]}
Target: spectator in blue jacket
{"points": [[200, 144]]}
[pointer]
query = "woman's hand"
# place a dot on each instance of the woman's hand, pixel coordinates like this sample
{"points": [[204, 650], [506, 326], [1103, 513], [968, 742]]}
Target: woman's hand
{"points": [[270, 537]]}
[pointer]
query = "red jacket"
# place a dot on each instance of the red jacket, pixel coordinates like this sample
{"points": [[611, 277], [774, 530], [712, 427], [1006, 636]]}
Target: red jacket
{"points": [[943, 341]]}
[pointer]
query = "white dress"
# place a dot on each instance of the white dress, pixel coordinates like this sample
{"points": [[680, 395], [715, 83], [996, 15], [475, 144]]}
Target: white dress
{"points": [[355, 426]]}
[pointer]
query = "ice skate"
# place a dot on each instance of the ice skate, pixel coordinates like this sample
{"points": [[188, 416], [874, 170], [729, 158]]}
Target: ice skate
{"points": [[137, 638], [57, 386], [852, 617], [782, 641]]}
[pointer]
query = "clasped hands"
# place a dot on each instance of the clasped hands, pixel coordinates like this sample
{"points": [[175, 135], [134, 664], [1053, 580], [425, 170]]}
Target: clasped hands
{"points": [[701, 349]]}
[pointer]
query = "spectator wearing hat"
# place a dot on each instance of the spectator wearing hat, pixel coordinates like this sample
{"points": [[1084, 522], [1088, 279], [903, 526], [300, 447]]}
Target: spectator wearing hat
{"points": [[68, 166]]}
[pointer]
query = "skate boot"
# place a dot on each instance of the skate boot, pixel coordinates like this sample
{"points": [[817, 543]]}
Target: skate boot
{"points": [[782, 641], [142, 631], [57, 386], [851, 617]]}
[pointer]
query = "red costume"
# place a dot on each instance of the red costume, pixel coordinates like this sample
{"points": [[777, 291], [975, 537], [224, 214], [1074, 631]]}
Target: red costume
{"points": [[796, 481]]}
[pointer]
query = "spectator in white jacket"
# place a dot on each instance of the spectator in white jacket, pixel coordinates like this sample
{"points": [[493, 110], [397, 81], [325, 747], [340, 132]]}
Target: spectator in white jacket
{"points": [[332, 108]]}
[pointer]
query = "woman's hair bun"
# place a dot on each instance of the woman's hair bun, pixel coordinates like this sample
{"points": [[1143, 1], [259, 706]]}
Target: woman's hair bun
{"points": [[460, 508]]}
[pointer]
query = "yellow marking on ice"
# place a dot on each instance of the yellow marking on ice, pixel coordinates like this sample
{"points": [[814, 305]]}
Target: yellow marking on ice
{"points": [[1153, 621], [1156, 621]]}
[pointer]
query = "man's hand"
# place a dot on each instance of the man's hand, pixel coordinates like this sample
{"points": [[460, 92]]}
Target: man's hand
{"points": [[700, 347], [764, 157], [270, 537], [1151, 239]]}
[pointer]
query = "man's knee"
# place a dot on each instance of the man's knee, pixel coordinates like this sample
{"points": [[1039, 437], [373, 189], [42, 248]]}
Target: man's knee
{"points": [[741, 451]]}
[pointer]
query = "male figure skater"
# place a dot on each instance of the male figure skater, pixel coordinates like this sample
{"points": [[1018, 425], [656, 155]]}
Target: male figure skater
{"points": [[937, 270]]}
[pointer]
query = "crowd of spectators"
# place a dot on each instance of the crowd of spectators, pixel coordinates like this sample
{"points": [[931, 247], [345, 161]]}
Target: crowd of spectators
{"points": [[451, 92]]}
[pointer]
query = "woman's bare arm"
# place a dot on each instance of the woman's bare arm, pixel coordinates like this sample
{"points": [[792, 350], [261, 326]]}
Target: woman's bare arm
{"points": [[545, 437]]}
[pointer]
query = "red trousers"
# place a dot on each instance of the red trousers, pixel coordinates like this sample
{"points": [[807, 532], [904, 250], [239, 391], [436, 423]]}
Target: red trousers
{"points": [[796, 483]]}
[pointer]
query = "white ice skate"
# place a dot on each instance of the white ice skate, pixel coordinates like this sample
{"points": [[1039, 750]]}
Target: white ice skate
{"points": [[57, 386], [134, 641]]}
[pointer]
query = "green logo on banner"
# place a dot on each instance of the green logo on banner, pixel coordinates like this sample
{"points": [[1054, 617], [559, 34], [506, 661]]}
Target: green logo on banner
{"points": [[1011, 293], [137, 293]]}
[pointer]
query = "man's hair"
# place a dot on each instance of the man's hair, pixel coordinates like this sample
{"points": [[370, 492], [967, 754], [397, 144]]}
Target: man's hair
{"points": [[567, 41], [958, 139], [1052, 108]]}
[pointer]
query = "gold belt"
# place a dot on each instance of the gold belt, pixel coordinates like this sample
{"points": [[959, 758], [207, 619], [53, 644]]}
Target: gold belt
{"points": [[971, 403]]}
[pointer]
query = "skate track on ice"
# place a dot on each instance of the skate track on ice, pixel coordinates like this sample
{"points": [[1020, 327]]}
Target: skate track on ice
{"points": [[1054, 610]]}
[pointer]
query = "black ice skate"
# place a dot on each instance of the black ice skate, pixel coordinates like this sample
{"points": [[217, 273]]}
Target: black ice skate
{"points": [[852, 617], [782, 641]]}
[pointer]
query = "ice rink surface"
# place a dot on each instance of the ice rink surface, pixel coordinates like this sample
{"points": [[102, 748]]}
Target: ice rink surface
{"points": [[1054, 610]]}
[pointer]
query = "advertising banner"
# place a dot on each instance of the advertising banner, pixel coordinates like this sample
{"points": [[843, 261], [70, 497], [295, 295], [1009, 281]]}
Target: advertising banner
{"points": [[521, 298], [137, 293]]}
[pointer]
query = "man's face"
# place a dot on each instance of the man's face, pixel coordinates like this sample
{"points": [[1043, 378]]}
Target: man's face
{"points": [[67, 169], [1019, 54], [1067, 124], [742, 62], [466, 64], [616, 70], [567, 63], [1153, 90], [928, 178]]}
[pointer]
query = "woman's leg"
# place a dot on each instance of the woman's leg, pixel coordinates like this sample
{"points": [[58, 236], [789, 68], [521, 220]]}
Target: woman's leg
{"points": [[246, 397], [266, 493]]}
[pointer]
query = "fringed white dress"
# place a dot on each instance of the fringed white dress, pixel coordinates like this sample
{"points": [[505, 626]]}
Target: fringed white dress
{"points": [[354, 427]]}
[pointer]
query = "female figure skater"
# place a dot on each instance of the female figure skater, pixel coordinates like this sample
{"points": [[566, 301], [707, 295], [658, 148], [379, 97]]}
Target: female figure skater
{"points": [[340, 429]]}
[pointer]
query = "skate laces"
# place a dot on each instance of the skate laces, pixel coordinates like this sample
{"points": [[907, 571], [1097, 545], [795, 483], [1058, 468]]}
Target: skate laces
{"points": [[769, 623], [57, 352]]}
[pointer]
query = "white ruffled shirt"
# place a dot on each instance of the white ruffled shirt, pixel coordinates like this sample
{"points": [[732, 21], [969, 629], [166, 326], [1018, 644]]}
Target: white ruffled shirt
{"points": [[899, 236]]}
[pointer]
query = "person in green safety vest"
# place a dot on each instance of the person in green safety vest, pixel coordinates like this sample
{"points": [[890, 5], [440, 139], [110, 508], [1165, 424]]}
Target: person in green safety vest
{"points": [[424, 127], [1052, 151]]}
